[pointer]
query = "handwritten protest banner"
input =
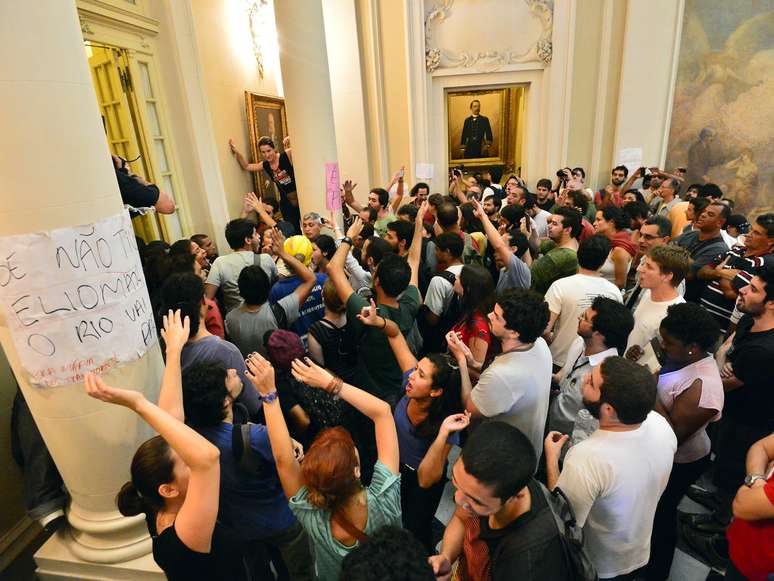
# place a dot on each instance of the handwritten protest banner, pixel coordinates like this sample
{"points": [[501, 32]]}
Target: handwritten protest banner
{"points": [[75, 299], [332, 187]]}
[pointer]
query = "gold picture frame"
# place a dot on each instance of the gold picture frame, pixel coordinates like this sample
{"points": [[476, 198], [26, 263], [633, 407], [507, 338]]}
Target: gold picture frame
{"points": [[265, 117], [502, 110]]}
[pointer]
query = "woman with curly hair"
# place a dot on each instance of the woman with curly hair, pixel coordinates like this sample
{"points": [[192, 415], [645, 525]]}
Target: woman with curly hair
{"points": [[326, 494], [690, 396], [427, 417], [613, 223]]}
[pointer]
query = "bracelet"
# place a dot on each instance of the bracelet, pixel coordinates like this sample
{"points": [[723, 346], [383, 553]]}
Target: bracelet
{"points": [[347, 240], [385, 323], [334, 387]]}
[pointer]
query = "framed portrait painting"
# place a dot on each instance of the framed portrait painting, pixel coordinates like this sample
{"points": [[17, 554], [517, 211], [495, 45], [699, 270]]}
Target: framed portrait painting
{"points": [[478, 126], [265, 118]]}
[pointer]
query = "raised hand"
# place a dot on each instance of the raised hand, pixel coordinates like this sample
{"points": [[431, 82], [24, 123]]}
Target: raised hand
{"points": [[348, 186], [455, 422], [422, 211], [369, 315], [253, 202], [231, 145], [176, 330], [277, 242], [478, 209], [355, 228], [260, 373], [100, 390], [308, 372], [286, 142]]}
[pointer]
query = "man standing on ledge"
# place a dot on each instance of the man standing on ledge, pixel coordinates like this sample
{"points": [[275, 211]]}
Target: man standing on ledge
{"points": [[476, 133]]}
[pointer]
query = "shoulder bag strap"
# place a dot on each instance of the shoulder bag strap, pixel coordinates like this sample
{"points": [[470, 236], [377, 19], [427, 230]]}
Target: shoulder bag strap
{"points": [[344, 523]]}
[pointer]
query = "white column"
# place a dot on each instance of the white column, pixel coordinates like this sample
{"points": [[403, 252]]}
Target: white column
{"points": [[55, 171], [307, 86]]}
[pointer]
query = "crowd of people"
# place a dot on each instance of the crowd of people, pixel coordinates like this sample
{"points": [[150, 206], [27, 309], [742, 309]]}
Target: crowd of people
{"points": [[598, 354]]}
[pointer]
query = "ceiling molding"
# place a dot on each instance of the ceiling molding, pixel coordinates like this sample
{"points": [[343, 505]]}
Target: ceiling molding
{"points": [[487, 60]]}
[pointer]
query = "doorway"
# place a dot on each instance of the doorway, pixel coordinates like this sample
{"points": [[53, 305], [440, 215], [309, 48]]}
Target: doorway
{"points": [[131, 133]]}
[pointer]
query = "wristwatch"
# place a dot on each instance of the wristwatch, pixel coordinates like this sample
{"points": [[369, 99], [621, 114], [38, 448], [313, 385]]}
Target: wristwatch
{"points": [[750, 479], [269, 397], [347, 240]]}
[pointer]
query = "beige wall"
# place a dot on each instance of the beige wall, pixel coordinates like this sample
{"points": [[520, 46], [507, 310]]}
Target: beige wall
{"points": [[228, 70]]}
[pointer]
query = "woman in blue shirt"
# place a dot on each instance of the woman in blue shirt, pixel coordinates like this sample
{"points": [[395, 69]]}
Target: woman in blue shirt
{"points": [[427, 419]]}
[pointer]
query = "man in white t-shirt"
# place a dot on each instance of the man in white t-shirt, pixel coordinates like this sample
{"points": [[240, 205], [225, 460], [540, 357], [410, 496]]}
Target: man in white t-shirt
{"points": [[448, 253], [661, 273], [614, 479], [569, 297], [516, 386], [243, 239], [603, 331]]}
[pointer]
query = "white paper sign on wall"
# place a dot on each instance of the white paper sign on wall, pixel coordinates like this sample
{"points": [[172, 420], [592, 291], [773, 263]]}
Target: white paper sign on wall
{"points": [[75, 299]]}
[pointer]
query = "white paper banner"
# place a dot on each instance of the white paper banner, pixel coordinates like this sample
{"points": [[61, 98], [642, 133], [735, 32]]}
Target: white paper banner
{"points": [[424, 171], [631, 157], [75, 299]]}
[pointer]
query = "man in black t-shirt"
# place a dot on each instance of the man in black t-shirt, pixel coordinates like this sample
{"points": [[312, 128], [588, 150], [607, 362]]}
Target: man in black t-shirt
{"points": [[503, 528], [138, 193], [748, 412]]}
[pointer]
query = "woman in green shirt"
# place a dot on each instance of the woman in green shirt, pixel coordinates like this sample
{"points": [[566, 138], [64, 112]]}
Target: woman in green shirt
{"points": [[326, 494]]}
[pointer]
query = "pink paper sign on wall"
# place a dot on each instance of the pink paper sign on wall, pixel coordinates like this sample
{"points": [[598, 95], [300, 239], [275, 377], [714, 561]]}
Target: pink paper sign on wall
{"points": [[332, 187]]}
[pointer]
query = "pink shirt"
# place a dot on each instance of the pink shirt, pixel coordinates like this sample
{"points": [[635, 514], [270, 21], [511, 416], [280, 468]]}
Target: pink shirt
{"points": [[672, 384]]}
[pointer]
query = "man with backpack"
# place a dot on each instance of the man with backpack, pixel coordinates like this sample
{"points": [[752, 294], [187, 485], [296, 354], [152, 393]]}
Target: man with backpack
{"points": [[614, 479], [441, 309], [504, 527]]}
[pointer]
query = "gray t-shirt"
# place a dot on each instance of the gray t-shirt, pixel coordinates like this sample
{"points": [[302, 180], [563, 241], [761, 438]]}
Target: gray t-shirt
{"points": [[516, 388], [246, 328], [213, 349], [225, 273], [517, 275], [440, 292]]}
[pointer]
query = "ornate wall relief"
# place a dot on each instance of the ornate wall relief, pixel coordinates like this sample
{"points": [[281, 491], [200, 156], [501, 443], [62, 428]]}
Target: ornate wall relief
{"points": [[487, 35]]}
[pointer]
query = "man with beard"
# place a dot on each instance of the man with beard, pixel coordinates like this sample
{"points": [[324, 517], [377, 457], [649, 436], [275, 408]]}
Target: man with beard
{"points": [[602, 332], [748, 413], [611, 194], [545, 197], [492, 205], [503, 524], [614, 478], [733, 270], [563, 229]]}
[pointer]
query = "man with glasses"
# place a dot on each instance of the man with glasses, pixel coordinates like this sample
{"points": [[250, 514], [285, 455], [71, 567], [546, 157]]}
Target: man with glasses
{"points": [[656, 231], [734, 269]]}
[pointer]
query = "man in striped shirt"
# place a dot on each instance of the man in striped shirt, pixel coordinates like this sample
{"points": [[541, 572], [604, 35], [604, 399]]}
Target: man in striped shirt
{"points": [[733, 269]]}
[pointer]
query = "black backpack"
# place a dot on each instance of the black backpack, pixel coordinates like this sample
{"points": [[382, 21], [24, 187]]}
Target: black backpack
{"points": [[561, 519], [434, 336]]}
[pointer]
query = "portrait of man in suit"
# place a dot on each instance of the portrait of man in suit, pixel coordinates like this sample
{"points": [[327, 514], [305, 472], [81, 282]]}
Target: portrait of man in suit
{"points": [[476, 133]]}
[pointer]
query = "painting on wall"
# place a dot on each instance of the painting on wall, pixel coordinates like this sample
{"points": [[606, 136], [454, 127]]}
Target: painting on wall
{"points": [[723, 110], [482, 126], [265, 118]]}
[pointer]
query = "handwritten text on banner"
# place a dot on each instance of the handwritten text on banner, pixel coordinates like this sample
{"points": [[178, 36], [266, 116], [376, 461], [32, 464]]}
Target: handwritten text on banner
{"points": [[75, 299]]}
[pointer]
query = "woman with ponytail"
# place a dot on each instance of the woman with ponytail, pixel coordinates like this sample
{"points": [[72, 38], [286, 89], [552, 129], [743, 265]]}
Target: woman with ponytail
{"points": [[326, 494], [175, 476], [428, 418]]}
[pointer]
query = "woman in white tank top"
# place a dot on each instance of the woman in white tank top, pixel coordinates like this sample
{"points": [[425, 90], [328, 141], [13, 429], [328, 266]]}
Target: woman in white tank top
{"points": [[612, 222], [689, 396]]}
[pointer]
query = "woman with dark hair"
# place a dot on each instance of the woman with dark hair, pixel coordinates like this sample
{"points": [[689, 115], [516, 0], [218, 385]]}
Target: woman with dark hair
{"points": [[175, 477], [475, 288], [325, 493], [323, 249], [690, 396], [278, 167], [427, 418], [613, 223]]}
